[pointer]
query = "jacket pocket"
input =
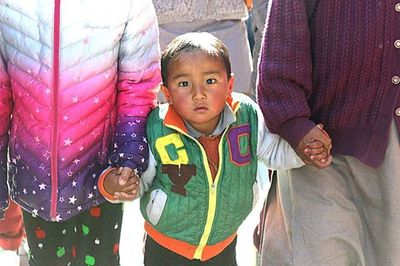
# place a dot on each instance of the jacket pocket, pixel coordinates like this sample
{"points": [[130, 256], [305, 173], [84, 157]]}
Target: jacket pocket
{"points": [[156, 205]]}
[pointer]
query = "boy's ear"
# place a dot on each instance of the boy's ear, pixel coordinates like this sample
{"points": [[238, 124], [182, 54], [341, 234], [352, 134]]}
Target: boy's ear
{"points": [[231, 82], [166, 93]]}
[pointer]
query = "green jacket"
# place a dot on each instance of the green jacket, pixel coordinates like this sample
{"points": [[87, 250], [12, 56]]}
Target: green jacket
{"points": [[197, 209], [186, 210]]}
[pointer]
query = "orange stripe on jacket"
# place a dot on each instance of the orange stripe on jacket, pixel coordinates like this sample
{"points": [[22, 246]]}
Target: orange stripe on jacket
{"points": [[185, 249]]}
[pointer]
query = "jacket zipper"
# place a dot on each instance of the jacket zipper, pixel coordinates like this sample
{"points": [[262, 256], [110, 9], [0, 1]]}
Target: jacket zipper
{"points": [[213, 193], [54, 130], [212, 201]]}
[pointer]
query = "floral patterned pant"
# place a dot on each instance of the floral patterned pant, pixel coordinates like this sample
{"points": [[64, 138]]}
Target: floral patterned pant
{"points": [[90, 238]]}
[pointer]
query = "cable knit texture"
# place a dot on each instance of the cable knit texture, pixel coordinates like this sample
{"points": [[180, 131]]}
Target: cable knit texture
{"points": [[190, 10], [332, 62], [59, 137]]}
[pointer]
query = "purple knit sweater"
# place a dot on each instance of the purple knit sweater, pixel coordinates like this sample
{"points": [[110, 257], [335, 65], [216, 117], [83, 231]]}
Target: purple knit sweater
{"points": [[332, 62]]}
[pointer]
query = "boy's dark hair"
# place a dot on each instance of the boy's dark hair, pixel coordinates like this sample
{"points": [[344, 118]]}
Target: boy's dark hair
{"points": [[203, 41]]}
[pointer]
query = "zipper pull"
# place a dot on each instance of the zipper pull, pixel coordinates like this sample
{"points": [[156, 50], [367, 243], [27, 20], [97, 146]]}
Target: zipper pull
{"points": [[213, 188]]}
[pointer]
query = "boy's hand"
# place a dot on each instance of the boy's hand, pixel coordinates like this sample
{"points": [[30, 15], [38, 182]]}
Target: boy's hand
{"points": [[319, 140], [130, 190], [126, 191], [125, 173]]}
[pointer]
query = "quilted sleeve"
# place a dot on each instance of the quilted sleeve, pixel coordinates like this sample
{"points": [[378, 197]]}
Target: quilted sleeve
{"points": [[5, 116], [138, 83]]}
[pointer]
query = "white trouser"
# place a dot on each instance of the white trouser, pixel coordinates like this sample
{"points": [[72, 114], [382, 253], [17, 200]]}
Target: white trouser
{"points": [[345, 214]]}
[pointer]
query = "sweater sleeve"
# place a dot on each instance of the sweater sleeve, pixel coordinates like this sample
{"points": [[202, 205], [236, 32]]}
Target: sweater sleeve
{"points": [[5, 116], [138, 82], [285, 71]]}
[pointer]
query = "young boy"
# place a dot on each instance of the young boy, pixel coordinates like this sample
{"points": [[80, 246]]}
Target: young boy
{"points": [[204, 147]]}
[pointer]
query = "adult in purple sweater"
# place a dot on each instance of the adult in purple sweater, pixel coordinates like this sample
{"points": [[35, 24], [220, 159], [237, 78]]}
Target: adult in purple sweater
{"points": [[336, 63]]}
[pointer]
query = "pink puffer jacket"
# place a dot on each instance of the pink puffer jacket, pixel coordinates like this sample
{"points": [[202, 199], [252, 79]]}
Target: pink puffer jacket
{"points": [[74, 75]]}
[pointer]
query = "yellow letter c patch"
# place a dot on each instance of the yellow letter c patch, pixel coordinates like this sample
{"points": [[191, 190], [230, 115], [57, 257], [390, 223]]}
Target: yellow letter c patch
{"points": [[171, 150]]}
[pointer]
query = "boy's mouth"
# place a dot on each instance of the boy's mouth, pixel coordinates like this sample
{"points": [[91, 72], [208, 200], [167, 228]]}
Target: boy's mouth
{"points": [[200, 108]]}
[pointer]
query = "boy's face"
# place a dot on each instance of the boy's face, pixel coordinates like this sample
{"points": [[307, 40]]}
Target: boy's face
{"points": [[198, 88]]}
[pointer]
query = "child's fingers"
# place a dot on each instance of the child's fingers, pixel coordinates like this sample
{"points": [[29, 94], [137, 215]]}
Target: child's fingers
{"points": [[120, 170], [316, 151], [329, 160], [133, 176], [132, 180], [319, 156], [323, 162], [128, 189], [125, 173], [122, 196], [314, 147], [131, 184], [314, 144]]}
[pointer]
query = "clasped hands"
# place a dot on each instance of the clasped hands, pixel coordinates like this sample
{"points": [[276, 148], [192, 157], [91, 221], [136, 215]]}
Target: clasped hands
{"points": [[315, 148], [122, 183]]}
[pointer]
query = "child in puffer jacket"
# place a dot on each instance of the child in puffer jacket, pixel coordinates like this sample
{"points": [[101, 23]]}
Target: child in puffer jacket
{"points": [[77, 81]]}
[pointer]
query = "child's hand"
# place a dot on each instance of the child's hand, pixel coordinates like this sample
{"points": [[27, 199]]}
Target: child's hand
{"points": [[125, 173], [318, 154], [129, 191], [125, 191]]}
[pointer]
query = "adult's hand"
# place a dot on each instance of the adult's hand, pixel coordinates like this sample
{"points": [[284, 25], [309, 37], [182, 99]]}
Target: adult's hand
{"points": [[315, 135]]}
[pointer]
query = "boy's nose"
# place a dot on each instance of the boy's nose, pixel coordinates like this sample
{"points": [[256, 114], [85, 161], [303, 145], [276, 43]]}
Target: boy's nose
{"points": [[199, 92]]}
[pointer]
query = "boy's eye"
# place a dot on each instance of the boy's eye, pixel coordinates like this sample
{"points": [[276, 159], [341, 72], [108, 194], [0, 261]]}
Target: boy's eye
{"points": [[211, 81], [183, 84]]}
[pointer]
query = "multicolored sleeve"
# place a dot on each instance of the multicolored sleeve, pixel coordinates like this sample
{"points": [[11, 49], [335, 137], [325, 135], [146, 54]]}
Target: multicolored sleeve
{"points": [[138, 84]]}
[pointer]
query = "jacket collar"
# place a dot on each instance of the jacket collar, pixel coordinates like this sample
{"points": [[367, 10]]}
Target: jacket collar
{"points": [[173, 120]]}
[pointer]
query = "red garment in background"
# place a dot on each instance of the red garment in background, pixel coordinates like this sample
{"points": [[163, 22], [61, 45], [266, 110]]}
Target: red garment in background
{"points": [[11, 228]]}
